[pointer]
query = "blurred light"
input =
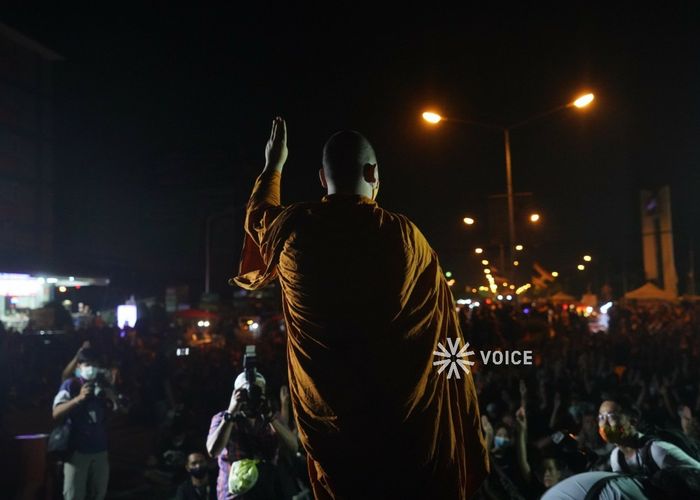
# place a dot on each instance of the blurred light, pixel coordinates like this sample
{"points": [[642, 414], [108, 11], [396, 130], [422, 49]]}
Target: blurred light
{"points": [[534, 217], [526, 310], [431, 117], [509, 297], [451, 282], [606, 307], [62, 289], [254, 326], [584, 100], [41, 280], [478, 250], [512, 287], [468, 221], [499, 297], [555, 274], [71, 278], [200, 323], [484, 288], [18, 285], [519, 247], [52, 280], [476, 304], [516, 263], [249, 322], [485, 262], [126, 314], [522, 288], [474, 290], [505, 284], [448, 274], [587, 258], [580, 267], [206, 324], [462, 302], [487, 271]]}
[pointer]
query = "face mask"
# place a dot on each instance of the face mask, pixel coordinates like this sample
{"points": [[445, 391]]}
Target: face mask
{"points": [[500, 441], [198, 472], [574, 411], [615, 435], [88, 372]]}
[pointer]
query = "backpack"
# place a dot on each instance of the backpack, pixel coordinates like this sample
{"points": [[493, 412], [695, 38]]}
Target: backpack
{"points": [[60, 445], [689, 446]]}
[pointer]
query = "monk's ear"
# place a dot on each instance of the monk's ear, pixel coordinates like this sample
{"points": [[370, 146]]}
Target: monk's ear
{"points": [[322, 176], [369, 172]]}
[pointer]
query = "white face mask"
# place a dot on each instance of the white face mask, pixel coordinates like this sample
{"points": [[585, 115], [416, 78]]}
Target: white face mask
{"points": [[88, 372]]}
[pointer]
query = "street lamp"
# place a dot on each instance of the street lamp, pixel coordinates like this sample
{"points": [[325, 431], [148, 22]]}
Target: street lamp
{"points": [[435, 118], [468, 221]]}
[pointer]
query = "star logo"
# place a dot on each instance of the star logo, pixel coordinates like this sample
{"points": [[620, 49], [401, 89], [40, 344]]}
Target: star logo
{"points": [[453, 358]]}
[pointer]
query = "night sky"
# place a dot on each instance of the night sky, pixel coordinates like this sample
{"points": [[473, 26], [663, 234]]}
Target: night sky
{"points": [[162, 116]]}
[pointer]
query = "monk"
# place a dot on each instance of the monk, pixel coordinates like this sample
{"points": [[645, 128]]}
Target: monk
{"points": [[366, 305]]}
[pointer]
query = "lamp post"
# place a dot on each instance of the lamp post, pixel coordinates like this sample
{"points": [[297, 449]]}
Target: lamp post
{"points": [[435, 118]]}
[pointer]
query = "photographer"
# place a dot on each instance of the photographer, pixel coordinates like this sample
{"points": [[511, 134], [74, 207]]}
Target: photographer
{"points": [[246, 437], [84, 400]]}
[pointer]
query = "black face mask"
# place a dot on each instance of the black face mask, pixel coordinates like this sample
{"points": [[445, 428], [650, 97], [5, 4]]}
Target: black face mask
{"points": [[198, 472]]}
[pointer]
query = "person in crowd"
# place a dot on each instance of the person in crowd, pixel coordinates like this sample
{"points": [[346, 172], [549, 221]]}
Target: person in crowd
{"points": [[246, 438], [552, 468], [634, 452], [70, 369], [85, 400], [200, 485], [359, 282]]}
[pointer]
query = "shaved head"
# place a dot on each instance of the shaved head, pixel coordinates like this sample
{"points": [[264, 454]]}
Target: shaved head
{"points": [[345, 156]]}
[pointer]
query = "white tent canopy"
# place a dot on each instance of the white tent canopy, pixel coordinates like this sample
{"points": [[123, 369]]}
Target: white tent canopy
{"points": [[649, 291]]}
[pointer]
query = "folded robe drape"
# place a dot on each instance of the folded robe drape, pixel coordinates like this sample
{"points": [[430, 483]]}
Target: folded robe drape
{"points": [[366, 304]]}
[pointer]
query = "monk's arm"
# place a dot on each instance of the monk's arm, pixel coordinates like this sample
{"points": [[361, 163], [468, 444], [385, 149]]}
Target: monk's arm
{"points": [[264, 203]]}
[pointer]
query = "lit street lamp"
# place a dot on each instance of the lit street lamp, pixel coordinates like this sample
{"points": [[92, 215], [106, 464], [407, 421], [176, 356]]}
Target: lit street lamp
{"points": [[468, 221], [435, 118]]}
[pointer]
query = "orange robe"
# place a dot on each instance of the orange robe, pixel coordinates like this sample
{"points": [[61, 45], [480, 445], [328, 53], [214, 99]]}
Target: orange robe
{"points": [[366, 303]]}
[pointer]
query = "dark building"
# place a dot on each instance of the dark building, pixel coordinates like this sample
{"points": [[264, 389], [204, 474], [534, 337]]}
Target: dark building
{"points": [[26, 159]]}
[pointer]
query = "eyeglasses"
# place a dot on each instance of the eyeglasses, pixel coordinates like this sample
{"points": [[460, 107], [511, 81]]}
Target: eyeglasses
{"points": [[610, 416]]}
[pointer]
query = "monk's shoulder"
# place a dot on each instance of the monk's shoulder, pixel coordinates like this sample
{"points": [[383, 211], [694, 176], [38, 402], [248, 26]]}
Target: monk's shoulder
{"points": [[410, 233]]}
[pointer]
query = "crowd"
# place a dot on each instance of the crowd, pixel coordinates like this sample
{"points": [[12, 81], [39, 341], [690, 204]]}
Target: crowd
{"points": [[545, 422], [205, 413]]}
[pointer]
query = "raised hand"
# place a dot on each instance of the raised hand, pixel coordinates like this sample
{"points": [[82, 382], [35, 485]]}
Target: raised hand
{"points": [[284, 395], [486, 425], [276, 149], [521, 419]]}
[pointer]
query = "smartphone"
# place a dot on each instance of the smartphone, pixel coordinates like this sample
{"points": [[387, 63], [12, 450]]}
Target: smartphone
{"points": [[183, 351]]}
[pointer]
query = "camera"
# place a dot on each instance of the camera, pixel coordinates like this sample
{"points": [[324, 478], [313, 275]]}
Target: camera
{"points": [[577, 459], [252, 384]]}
